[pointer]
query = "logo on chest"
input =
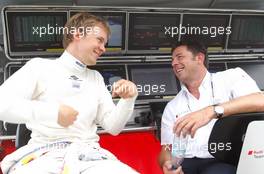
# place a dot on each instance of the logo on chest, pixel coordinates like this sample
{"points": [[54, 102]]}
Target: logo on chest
{"points": [[75, 82]]}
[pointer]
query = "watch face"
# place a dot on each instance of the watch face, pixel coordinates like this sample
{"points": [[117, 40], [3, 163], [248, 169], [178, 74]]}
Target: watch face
{"points": [[219, 110]]}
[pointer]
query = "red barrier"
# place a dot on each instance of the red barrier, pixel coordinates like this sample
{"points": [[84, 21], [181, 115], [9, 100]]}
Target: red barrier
{"points": [[139, 150], [7, 147]]}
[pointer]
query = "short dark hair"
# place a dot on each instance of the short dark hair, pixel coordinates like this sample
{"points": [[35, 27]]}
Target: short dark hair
{"points": [[193, 46]]}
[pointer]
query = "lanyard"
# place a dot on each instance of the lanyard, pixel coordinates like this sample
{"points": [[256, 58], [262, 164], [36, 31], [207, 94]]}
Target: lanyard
{"points": [[213, 93]]}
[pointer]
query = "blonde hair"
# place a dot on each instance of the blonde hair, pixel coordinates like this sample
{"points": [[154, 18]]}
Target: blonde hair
{"points": [[82, 20]]}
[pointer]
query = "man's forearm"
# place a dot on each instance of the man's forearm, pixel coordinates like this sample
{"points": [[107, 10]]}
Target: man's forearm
{"points": [[249, 103]]}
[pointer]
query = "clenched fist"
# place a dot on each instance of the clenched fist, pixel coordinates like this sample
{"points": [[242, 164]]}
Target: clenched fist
{"points": [[67, 115], [167, 169]]}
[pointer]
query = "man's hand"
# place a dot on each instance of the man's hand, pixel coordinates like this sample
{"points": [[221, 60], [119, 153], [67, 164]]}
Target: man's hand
{"points": [[189, 123], [67, 115], [124, 89], [167, 169]]}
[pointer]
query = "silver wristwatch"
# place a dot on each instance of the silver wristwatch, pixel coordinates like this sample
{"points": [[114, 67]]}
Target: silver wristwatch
{"points": [[219, 111]]}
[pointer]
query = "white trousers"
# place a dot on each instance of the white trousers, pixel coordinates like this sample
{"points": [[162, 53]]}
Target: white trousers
{"points": [[74, 159]]}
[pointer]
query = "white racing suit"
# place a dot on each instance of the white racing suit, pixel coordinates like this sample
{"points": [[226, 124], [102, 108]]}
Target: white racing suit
{"points": [[33, 95], [64, 158]]}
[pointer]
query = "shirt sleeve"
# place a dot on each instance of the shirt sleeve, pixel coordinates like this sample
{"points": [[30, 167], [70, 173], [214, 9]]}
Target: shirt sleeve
{"points": [[242, 84], [110, 116], [16, 97], [168, 119]]}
